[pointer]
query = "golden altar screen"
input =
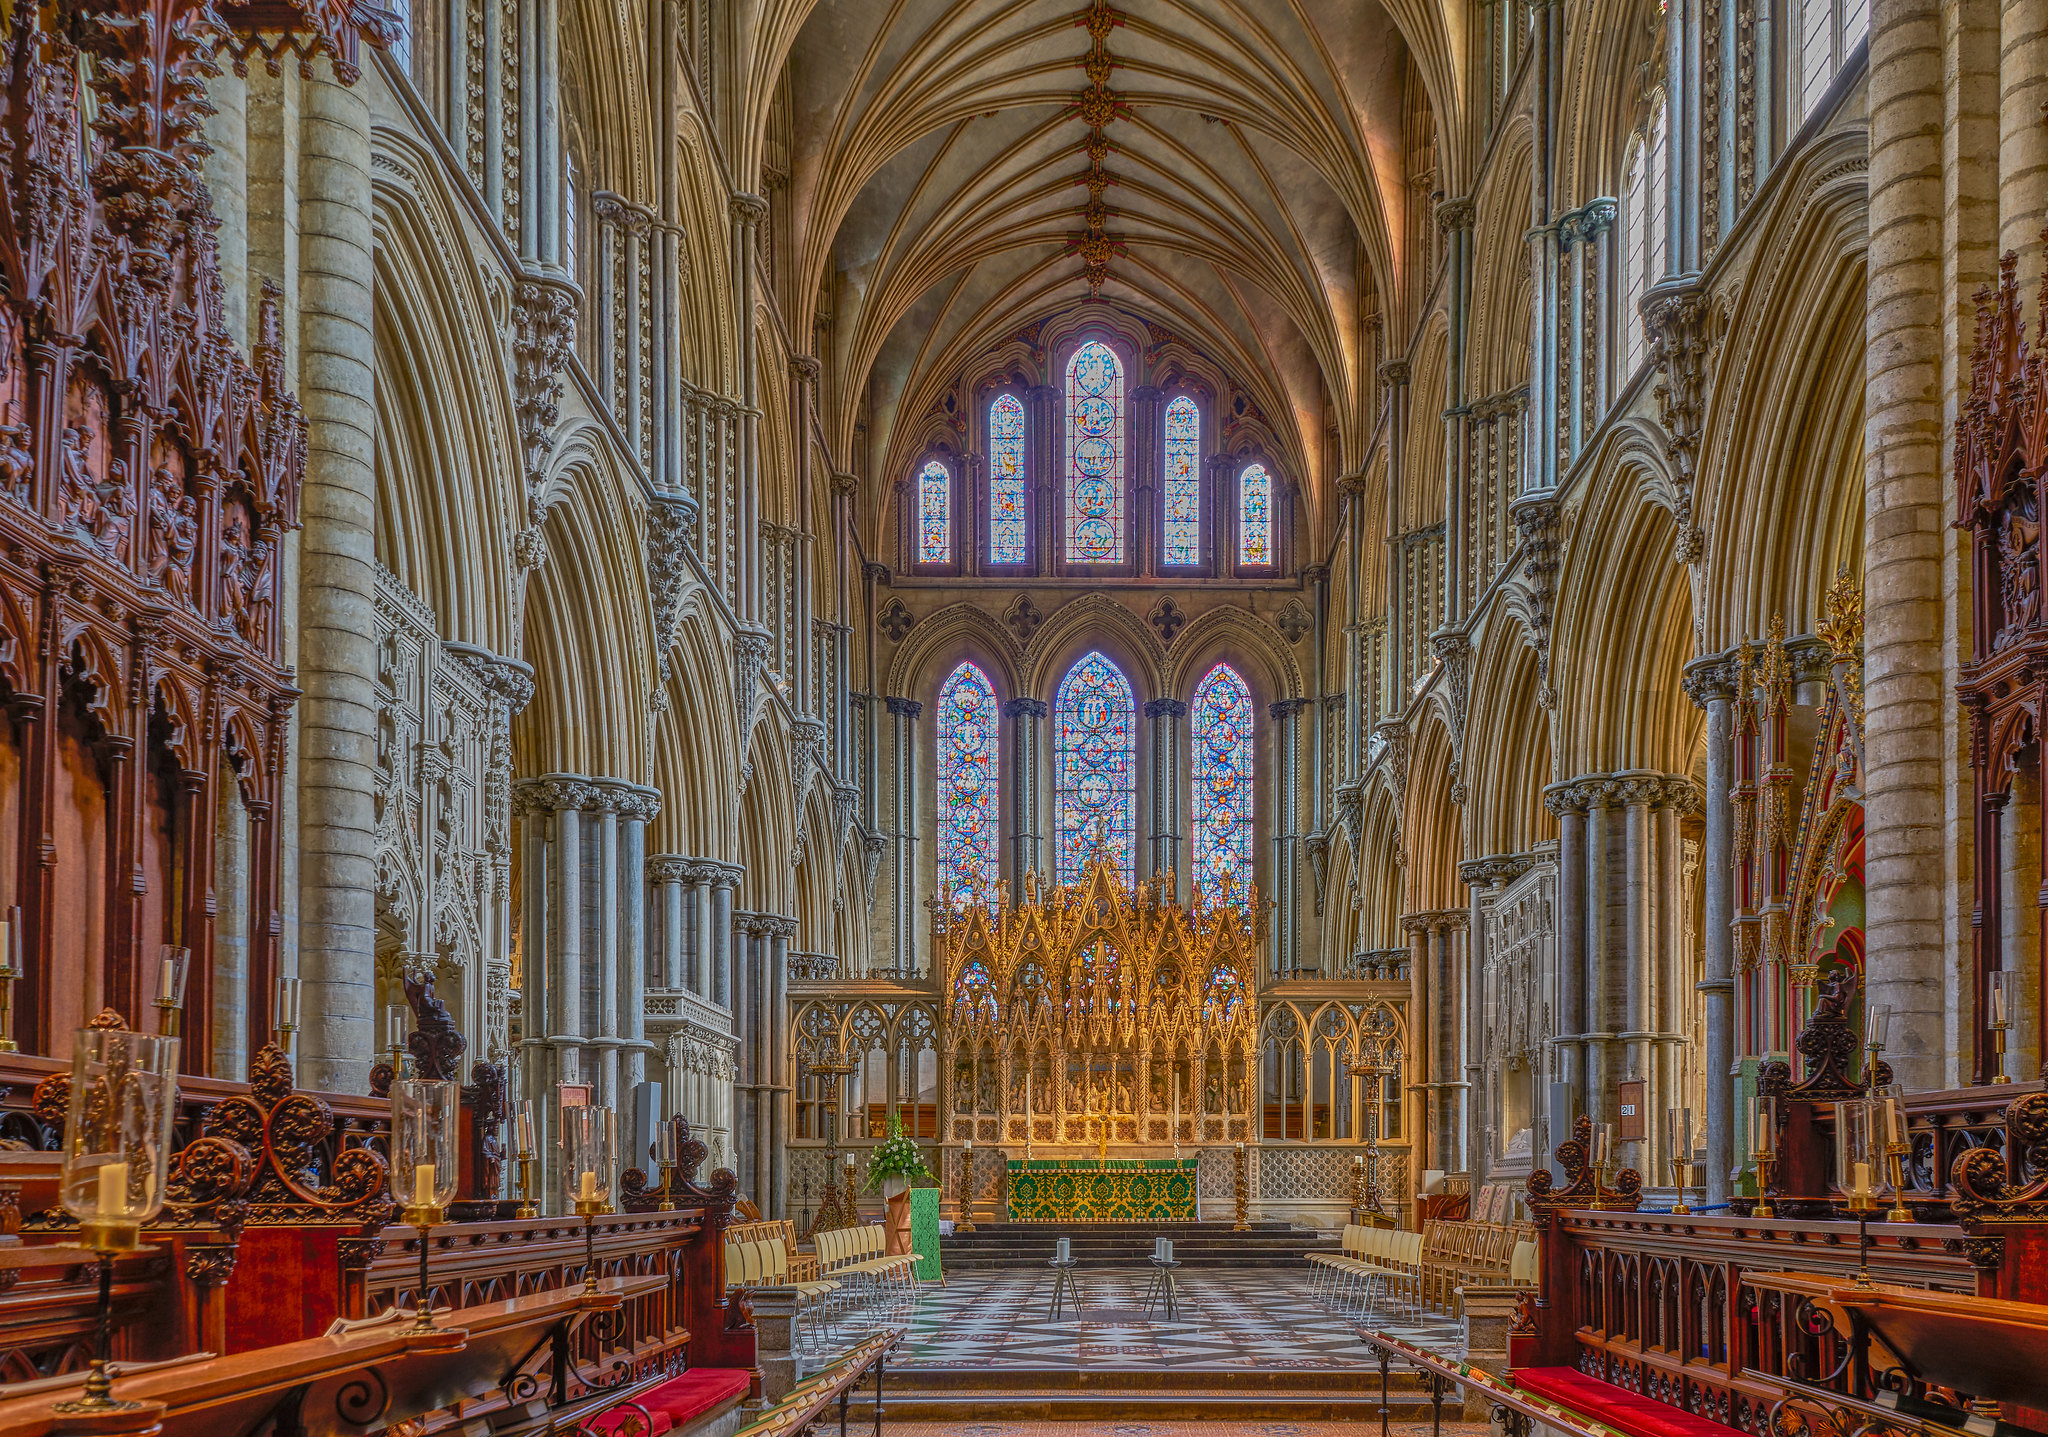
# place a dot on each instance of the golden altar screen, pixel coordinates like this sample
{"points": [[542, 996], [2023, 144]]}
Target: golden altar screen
{"points": [[1088, 1018]]}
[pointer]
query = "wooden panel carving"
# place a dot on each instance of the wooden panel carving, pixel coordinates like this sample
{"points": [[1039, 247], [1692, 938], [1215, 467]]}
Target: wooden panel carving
{"points": [[2001, 456], [148, 474]]}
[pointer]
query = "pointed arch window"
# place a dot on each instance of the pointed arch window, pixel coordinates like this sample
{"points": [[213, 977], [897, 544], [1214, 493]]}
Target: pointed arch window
{"points": [[1095, 765], [1006, 500], [1095, 455], [934, 514], [1255, 516], [1221, 722], [1181, 544], [968, 800]]}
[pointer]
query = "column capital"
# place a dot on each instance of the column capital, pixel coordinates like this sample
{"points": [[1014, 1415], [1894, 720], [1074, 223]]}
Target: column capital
{"points": [[845, 484], [747, 209], [1024, 708], [1394, 371], [555, 792], [1709, 679], [804, 368], [904, 708], [1165, 708], [1286, 708], [669, 868]]}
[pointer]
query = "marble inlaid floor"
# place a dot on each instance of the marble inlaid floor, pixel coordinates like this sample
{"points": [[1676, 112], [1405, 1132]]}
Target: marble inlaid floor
{"points": [[1230, 1319], [1143, 1427]]}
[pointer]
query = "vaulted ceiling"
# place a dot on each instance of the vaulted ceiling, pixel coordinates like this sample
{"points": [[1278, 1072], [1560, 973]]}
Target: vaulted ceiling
{"points": [[1251, 186]]}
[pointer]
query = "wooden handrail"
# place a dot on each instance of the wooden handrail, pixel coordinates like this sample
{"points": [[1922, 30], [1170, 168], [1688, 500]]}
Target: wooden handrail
{"points": [[374, 1374], [808, 1403]]}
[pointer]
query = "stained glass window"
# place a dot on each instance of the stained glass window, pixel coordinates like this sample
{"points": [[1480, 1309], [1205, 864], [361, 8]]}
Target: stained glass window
{"points": [[1221, 721], [1183, 539], [1095, 766], [934, 514], [1095, 455], [1255, 515], [967, 785], [1006, 481]]}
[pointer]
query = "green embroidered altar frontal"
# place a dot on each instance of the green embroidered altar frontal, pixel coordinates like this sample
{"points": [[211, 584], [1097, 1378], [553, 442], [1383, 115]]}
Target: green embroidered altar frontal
{"points": [[1089, 1190]]}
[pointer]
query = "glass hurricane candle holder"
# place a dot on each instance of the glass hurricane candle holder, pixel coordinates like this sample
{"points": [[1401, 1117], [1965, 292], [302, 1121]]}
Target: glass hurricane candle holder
{"points": [[117, 1152], [587, 1171], [424, 1118], [1856, 1155], [173, 966]]}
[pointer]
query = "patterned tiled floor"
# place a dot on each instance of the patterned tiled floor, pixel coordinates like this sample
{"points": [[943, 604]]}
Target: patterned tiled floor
{"points": [[1230, 1319], [1141, 1427]]}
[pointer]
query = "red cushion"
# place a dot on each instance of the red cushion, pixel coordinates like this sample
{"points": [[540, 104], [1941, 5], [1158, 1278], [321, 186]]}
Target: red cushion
{"points": [[696, 1392], [1619, 1408], [629, 1422]]}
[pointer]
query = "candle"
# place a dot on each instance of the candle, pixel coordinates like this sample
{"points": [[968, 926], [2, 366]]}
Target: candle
{"points": [[170, 977], [1862, 1187], [395, 1015], [11, 955], [287, 1002], [113, 1190], [1894, 1130], [526, 1128], [970, 1147], [423, 1184], [587, 1192], [1998, 1000], [849, 1162], [1685, 1128]]}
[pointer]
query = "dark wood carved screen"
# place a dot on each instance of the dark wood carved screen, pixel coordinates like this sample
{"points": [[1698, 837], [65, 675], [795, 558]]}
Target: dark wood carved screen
{"points": [[148, 475], [2001, 453]]}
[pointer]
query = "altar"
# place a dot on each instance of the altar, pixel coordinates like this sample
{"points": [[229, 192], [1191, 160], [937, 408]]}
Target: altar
{"points": [[1102, 1190]]}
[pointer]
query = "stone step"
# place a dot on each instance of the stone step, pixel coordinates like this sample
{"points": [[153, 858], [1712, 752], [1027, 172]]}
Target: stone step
{"points": [[1065, 1394]]}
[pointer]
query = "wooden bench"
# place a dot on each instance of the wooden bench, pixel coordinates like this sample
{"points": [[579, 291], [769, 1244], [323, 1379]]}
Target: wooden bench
{"points": [[699, 1393]]}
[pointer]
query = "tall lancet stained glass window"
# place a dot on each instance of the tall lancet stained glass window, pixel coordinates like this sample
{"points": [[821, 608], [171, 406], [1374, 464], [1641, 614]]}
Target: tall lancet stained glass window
{"points": [[934, 514], [967, 785], [1221, 721], [1006, 501], [1095, 764], [1095, 455], [1255, 515], [1183, 537]]}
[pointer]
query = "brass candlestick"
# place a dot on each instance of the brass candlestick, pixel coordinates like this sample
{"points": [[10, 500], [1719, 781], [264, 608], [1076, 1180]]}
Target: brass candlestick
{"points": [[590, 1210], [528, 1208], [668, 1178], [425, 1218], [1895, 1159], [1766, 1164], [966, 1221], [8, 973], [1681, 1173], [99, 1383]]}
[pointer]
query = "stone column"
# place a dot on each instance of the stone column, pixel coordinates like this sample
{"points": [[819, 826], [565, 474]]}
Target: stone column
{"points": [[605, 821], [1565, 803], [2023, 135], [1709, 684], [1903, 537], [1026, 718], [747, 213], [775, 1075], [1147, 453], [636, 811], [669, 876], [1352, 487], [1598, 1010], [1639, 1018], [716, 939], [1287, 835], [903, 871], [1421, 1046], [337, 591], [750, 1146], [1167, 716], [1394, 375]]}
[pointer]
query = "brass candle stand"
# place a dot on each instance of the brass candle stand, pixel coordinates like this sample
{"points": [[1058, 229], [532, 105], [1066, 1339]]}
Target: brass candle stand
{"points": [[107, 1242], [528, 1208], [590, 1210], [1766, 1164], [8, 974], [668, 1182], [1240, 1185], [965, 1223], [1681, 1174], [424, 1217]]}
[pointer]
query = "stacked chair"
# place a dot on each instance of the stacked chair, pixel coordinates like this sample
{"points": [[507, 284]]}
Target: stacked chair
{"points": [[857, 1259], [764, 1262]]}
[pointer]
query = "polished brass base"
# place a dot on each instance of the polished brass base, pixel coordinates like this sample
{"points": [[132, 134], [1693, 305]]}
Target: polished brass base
{"points": [[96, 1399], [422, 1215], [1763, 1209], [110, 1234]]}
